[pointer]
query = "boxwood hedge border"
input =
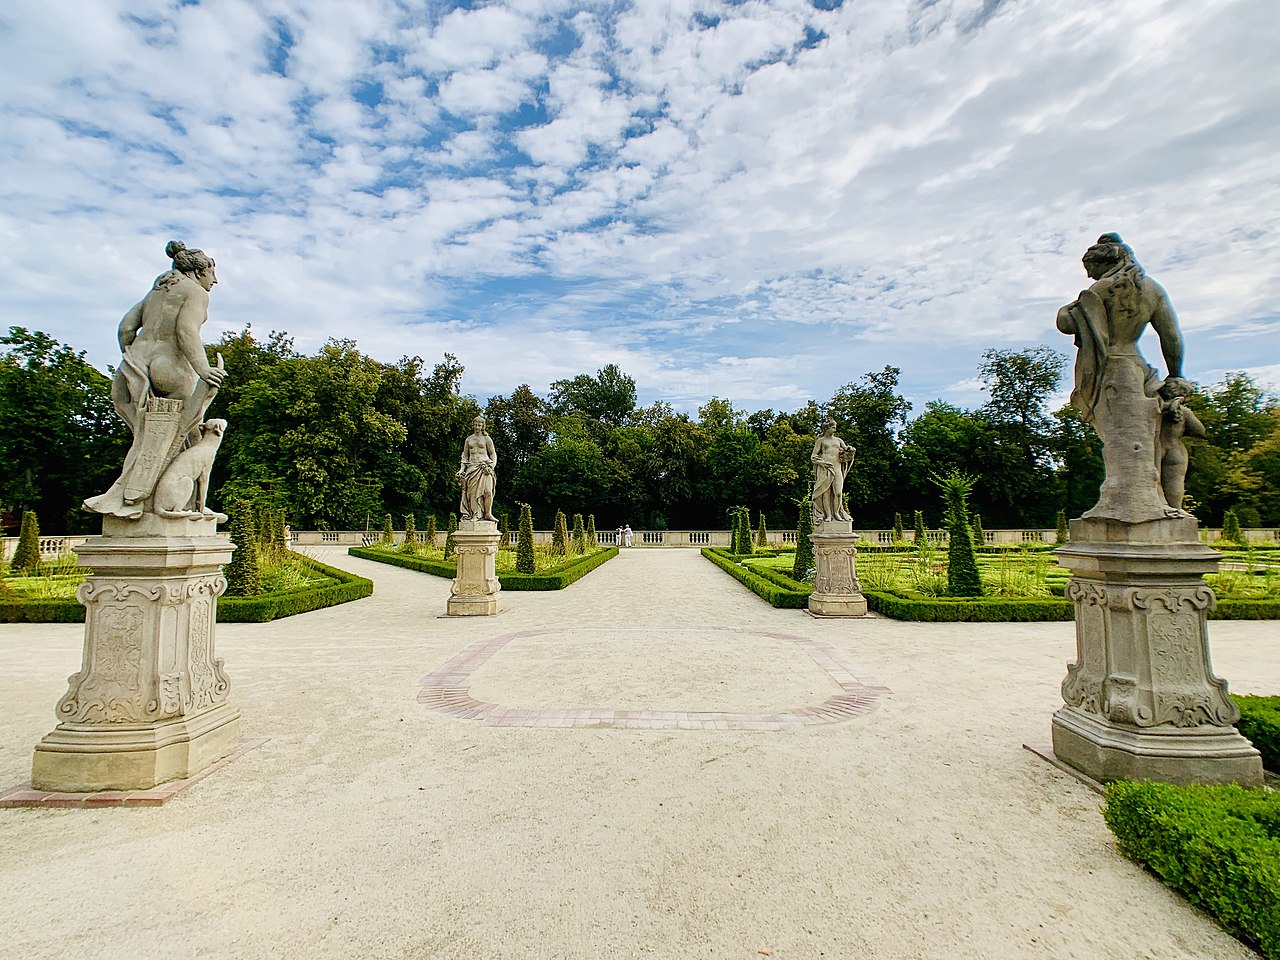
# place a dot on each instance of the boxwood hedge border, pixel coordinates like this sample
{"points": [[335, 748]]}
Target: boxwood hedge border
{"points": [[555, 579], [259, 609], [1216, 845], [774, 588], [1260, 723]]}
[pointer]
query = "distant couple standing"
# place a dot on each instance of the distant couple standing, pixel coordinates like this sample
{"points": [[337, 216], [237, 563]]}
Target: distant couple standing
{"points": [[624, 536]]}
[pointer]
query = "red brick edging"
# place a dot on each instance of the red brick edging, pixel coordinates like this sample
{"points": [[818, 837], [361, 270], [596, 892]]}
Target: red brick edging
{"points": [[445, 690]]}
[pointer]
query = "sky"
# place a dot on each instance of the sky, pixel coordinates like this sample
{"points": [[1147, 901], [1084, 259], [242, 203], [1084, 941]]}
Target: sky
{"points": [[756, 201]]}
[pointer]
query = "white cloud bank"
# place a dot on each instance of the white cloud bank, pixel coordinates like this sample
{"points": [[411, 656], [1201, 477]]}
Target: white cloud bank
{"points": [[757, 200]]}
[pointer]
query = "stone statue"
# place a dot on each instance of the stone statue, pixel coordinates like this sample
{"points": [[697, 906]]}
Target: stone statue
{"points": [[164, 387], [477, 474], [1115, 389], [1176, 420], [831, 460]]}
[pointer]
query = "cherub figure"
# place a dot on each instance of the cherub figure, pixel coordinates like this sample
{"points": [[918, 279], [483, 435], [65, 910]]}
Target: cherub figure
{"points": [[1176, 420]]}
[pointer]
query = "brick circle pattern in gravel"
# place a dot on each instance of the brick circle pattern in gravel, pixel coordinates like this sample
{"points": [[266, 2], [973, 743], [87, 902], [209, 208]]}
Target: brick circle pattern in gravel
{"points": [[445, 690]]}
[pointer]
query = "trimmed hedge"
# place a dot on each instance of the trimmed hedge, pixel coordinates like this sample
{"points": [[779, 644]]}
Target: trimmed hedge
{"points": [[555, 579], [273, 606], [969, 609], [1245, 609], [775, 588], [1217, 845], [259, 609], [1260, 723]]}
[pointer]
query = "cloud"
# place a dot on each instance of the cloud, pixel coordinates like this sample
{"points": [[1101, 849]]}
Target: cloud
{"points": [[760, 201]]}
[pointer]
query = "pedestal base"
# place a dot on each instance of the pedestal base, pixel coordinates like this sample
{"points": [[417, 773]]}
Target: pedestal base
{"points": [[1106, 752], [1141, 700], [475, 589], [80, 758], [149, 703], [836, 591]]}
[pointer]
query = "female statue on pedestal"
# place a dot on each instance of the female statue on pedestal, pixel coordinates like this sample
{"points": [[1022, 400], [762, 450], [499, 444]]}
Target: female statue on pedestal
{"points": [[477, 474], [831, 460]]}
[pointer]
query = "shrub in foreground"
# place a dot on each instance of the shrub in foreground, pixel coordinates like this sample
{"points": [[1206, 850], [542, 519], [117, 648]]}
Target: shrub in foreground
{"points": [[1217, 845]]}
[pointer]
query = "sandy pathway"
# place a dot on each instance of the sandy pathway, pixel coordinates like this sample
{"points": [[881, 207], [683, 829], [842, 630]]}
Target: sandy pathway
{"points": [[370, 826]]}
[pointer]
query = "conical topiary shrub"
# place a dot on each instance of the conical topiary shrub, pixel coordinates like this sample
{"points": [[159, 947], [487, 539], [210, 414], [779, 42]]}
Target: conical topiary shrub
{"points": [[762, 534], [410, 544], [921, 534], [804, 565], [244, 577], [593, 539], [560, 535], [450, 530], [524, 541], [898, 534], [1063, 533], [429, 538], [1231, 531], [504, 530], [26, 557], [979, 535], [579, 534], [388, 531], [963, 579]]}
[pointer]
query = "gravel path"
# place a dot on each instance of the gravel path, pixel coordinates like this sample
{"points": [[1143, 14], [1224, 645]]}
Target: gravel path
{"points": [[371, 826]]}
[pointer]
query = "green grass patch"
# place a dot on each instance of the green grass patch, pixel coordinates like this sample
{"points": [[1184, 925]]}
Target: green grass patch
{"points": [[551, 576], [1219, 846], [297, 584]]}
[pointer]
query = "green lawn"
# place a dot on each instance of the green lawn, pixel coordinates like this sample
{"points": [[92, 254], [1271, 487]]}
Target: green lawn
{"points": [[543, 559]]}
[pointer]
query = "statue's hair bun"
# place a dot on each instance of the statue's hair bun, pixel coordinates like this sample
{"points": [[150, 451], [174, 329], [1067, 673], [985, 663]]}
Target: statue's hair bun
{"points": [[173, 248]]}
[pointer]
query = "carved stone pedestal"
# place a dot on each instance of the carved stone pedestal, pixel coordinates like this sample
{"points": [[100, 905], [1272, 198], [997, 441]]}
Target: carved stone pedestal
{"points": [[836, 591], [1141, 700], [150, 701], [476, 588]]}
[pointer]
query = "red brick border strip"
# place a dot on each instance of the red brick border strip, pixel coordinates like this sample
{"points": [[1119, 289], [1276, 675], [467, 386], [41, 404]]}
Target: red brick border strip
{"points": [[445, 690], [24, 796]]}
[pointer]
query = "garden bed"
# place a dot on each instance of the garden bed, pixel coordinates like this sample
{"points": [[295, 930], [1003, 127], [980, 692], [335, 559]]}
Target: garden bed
{"points": [[774, 587], [551, 578], [318, 585]]}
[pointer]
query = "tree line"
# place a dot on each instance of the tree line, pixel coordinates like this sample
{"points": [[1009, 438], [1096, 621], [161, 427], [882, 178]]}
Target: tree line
{"points": [[338, 439]]}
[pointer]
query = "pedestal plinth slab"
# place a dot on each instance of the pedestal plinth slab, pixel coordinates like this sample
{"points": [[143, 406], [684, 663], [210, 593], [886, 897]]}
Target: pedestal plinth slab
{"points": [[475, 589], [149, 703], [1141, 700], [836, 591]]}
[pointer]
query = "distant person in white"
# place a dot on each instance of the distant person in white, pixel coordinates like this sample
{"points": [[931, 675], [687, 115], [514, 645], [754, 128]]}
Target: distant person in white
{"points": [[626, 533]]}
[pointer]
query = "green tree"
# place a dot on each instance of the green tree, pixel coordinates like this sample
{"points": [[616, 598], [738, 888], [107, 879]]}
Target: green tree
{"points": [[609, 397], [868, 415], [1019, 458], [744, 531], [762, 534], [524, 544], [898, 534], [244, 577], [429, 538], [979, 536], [1063, 532], [593, 539], [26, 556], [963, 579], [388, 531], [921, 534], [579, 534], [804, 565], [448, 538], [60, 438]]}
